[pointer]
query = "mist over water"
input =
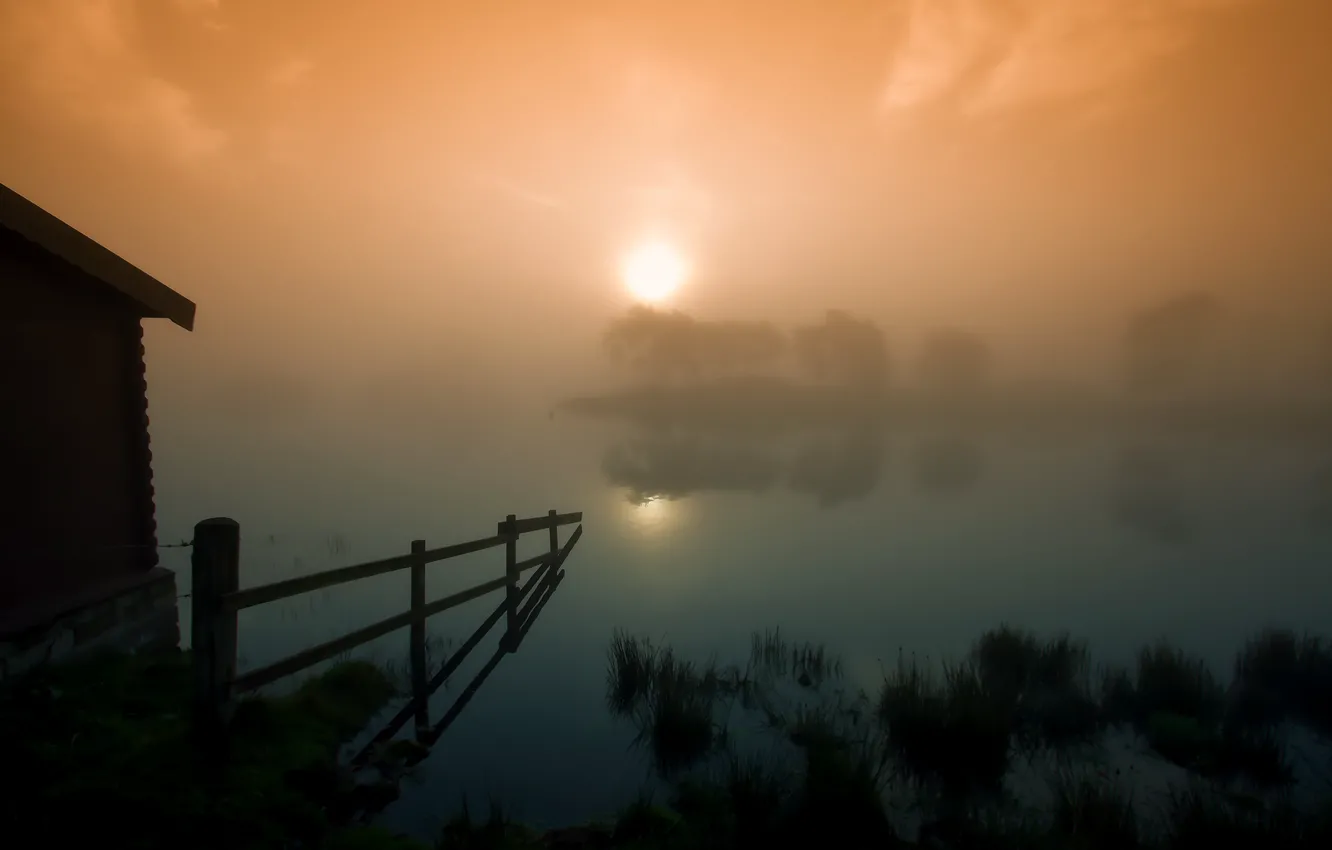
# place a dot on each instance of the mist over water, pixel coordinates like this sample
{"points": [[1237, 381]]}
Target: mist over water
{"points": [[870, 505], [1018, 315]]}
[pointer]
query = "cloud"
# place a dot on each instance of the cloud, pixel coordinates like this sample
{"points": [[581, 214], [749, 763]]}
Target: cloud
{"points": [[205, 10], [79, 58], [987, 57], [660, 97], [515, 191], [671, 197], [291, 72]]}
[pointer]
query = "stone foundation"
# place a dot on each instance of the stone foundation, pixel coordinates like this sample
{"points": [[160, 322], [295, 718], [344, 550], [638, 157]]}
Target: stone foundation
{"points": [[134, 613]]}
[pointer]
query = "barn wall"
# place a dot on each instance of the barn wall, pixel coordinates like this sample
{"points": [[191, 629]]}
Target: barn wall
{"points": [[76, 461], [139, 614]]}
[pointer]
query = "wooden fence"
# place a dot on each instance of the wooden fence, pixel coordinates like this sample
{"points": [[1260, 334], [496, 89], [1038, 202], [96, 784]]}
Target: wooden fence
{"points": [[216, 600]]}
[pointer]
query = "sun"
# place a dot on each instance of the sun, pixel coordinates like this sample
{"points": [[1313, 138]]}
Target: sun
{"points": [[653, 271]]}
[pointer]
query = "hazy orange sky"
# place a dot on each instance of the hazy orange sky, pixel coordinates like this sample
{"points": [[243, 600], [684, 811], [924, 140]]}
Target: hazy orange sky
{"points": [[352, 181]]}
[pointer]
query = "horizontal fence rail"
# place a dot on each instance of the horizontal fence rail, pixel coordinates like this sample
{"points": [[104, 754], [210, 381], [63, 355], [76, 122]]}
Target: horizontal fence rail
{"points": [[217, 600], [539, 587], [252, 596], [324, 651], [537, 523]]}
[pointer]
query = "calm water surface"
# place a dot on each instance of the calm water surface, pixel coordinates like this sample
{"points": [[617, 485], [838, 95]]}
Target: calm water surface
{"points": [[868, 541]]}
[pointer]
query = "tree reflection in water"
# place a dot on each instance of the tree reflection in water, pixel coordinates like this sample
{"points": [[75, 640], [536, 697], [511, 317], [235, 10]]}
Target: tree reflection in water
{"points": [[842, 471], [947, 466], [1145, 498], [1320, 499], [674, 467]]}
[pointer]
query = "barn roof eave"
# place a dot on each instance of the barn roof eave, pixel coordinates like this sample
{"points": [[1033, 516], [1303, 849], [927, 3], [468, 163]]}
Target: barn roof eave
{"points": [[154, 298]]}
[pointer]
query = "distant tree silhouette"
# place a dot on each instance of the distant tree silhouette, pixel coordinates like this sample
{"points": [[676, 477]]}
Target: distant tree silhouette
{"points": [[843, 349], [667, 346], [1166, 343], [654, 343], [955, 362], [733, 347]]}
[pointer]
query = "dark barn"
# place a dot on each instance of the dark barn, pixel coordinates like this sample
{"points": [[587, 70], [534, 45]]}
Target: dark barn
{"points": [[78, 558]]}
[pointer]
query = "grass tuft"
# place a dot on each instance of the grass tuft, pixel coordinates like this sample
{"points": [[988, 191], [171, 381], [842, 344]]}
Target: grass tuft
{"points": [[1093, 814], [672, 701], [1171, 682], [1044, 684], [956, 734], [1199, 819], [1280, 676], [496, 832], [680, 705], [629, 675]]}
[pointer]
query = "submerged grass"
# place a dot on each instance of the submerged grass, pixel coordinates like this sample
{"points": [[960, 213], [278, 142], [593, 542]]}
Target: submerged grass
{"points": [[809, 665], [632, 665], [1176, 704], [680, 705], [1169, 681], [950, 733], [1045, 685], [1202, 819], [672, 701], [1093, 814], [1014, 692], [1118, 697], [1280, 676], [496, 832]]}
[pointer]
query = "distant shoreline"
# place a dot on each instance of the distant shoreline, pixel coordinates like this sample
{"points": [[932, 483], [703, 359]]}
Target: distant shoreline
{"points": [[765, 404]]}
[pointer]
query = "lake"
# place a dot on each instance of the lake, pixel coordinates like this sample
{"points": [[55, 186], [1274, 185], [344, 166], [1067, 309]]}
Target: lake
{"points": [[866, 539]]}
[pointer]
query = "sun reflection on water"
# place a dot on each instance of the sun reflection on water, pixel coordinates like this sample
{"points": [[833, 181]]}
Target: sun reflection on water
{"points": [[651, 514]]}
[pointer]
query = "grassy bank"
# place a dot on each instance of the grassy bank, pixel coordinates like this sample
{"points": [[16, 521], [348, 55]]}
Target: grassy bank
{"points": [[781, 751], [103, 753]]}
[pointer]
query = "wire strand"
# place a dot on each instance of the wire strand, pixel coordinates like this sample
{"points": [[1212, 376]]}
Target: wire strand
{"points": [[107, 548]]}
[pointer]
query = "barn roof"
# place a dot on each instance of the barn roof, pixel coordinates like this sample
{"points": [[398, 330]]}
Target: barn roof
{"points": [[154, 298]]}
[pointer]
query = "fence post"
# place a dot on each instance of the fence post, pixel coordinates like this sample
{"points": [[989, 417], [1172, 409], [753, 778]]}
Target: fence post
{"points": [[215, 572], [418, 637], [511, 573], [554, 538]]}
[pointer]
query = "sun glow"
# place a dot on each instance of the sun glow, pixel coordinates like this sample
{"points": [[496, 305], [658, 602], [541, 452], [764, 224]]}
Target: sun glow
{"points": [[653, 271], [650, 514]]}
